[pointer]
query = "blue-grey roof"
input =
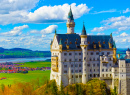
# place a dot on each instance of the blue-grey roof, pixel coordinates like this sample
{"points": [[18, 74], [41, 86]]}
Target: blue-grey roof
{"points": [[76, 40], [72, 39], [127, 60], [94, 39], [70, 15], [83, 30], [121, 58]]}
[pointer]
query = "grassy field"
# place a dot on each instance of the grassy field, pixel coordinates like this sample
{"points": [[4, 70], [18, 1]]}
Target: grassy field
{"points": [[36, 64], [31, 75]]}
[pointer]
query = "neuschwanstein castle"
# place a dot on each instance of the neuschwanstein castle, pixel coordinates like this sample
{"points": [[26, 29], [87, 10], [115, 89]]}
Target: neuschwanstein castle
{"points": [[79, 58]]}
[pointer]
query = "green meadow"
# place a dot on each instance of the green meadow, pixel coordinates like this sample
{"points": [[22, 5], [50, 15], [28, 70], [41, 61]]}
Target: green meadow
{"points": [[31, 75], [35, 64]]}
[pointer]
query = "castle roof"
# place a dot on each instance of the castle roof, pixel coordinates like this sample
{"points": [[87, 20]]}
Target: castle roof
{"points": [[83, 30], [121, 58], [74, 40], [96, 39], [70, 40], [70, 15]]}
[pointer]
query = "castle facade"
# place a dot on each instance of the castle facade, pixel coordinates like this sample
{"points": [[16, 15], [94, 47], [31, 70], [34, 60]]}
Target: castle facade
{"points": [[79, 58]]}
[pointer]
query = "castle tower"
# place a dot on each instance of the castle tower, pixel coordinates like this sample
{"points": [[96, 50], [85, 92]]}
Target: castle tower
{"points": [[128, 52], [84, 55], [70, 23], [122, 89]]}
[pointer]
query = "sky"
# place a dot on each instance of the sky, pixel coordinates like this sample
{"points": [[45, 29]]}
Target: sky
{"points": [[31, 24]]}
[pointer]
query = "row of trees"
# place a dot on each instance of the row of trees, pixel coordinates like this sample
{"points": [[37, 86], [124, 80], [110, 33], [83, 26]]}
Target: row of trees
{"points": [[35, 87]]}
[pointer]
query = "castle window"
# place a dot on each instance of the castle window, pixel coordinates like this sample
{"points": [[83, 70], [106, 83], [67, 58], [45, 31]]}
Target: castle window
{"points": [[90, 75], [65, 54], [103, 42], [80, 65], [122, 65], [91, 53], [88, 42], [97, 53], [65, 42], [65, 66], [77, 39], [69, 59], [122, 70], [70, 53], [94, 70], [115, 70], [70, 42], [80, 76], [106, 75], [84, 58], [110, 64], [98, 59], [106, 70], [79, 59], [79, 70], [94, 75], [110, 69], [71, 65], [65, 60], [71, 71], [97, 64], [90, 70], [110, 59], [72, 76], [93, 59], [88, 65], [108, 53], [75, 53], [93, 42], [110, 75], [76, 76], [93, 65], [79, 53], [103, 70], [65, 71], [102, 75], [90, 59], [98, 75], [102, 58]]}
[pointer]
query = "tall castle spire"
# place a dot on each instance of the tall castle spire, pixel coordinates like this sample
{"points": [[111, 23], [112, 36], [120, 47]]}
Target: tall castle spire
{"points": [[83, 30], [70, 23]]}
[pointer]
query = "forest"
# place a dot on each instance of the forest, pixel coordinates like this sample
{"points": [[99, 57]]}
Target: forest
{"points": [[35, 87]]}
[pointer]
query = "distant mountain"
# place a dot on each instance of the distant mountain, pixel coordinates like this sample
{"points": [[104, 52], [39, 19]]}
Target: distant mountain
{"points": [[22, 53], [121, 50]]}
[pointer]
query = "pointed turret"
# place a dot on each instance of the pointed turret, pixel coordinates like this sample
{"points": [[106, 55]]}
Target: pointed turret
{"points": [[55, 31], [70, 23], [128, 49], [70, 15], [60, 43], [83, 30]]}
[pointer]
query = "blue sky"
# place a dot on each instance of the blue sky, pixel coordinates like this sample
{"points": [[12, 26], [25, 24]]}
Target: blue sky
{"points": [[31, 23]]}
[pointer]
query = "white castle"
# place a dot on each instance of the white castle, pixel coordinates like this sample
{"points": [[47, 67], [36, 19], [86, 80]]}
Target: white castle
{"points": [[79, 58]]}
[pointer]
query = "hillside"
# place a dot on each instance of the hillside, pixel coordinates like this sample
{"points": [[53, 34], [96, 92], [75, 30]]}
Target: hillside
{"points": [[22, 53]]}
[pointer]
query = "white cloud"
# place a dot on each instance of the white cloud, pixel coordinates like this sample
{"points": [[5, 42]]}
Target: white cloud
{"points": [[17, 11], [121, 23], [126, 11], [15, 32], [124, 40], [124, 34], [106, 11], [44, 32], [100, 33]]}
